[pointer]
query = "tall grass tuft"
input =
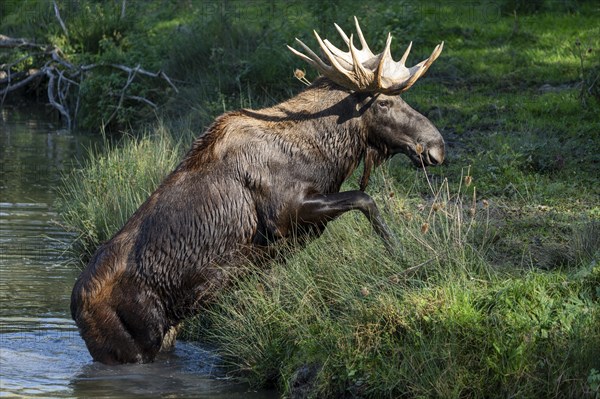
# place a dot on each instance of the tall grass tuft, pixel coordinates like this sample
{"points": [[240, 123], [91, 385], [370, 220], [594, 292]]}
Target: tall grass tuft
{"points": [[97, 199]]}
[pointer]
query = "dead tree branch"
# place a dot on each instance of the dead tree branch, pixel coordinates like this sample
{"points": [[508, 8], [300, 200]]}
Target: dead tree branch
{"points": [[129, 70], [28, 77], [130, 78], [50, 72], [60, 21], [63, 78], [9, 42]]}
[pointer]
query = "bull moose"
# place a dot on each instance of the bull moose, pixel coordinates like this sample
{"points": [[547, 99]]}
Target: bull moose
{"points": [[253, 178]]}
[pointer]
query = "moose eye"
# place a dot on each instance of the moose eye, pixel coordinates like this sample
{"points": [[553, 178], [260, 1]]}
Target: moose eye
{"points": [[383, 104]]}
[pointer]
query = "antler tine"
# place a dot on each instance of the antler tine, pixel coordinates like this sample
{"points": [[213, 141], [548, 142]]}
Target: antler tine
{"points": [[362, 55], [336, 72], [436, 51], [342, 33], [383, 60], [363, 77], [337, 52], [334, 62], [363, 42], [434, 55], [315, 61], [424, 65], [405, 56], [418, 70], [299, 54]]}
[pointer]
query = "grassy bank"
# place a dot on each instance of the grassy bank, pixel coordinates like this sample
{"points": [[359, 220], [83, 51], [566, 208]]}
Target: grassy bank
{"points": [[496, 290], [345, 318]]}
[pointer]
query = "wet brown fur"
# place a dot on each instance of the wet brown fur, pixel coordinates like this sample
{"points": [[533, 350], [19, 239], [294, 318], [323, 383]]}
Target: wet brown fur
{"points": [[236, 191]]}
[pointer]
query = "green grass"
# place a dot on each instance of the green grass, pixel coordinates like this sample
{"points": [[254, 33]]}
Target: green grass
{"points": [[97, 199], [496, 290], [343, 317]]}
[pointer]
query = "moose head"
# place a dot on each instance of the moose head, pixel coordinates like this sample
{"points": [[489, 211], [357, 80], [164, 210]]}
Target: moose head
{"points": [[392, 124]]}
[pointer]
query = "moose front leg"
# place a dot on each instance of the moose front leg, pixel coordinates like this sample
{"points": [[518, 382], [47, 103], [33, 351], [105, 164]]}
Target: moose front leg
{"points": [[318, 209]]}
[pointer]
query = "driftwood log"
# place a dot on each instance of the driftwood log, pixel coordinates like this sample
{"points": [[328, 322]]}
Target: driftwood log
{"points": [[61, 77]]}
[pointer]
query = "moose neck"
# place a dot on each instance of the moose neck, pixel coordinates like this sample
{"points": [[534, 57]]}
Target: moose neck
{"points": [[327, 118]]}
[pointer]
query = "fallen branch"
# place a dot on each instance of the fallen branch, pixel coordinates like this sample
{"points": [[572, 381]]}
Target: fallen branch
{"points": [[9, 42], [129, 70], [60, 21], [62, 76], [52, 98], [30, 75]]}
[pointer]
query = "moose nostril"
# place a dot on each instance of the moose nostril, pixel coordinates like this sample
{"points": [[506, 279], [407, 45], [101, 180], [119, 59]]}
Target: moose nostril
{"points": [[436, 155]]}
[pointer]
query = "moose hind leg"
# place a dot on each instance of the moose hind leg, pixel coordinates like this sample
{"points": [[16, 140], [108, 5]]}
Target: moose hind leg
{"points": [[107, 338], [318, 209], [144, 321]]}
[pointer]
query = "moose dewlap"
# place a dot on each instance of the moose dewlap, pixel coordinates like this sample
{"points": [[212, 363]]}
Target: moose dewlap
{"points": [[253, 178]]}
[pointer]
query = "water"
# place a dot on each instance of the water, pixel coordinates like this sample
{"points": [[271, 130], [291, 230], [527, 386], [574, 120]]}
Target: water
{"points": [[41, 353]]}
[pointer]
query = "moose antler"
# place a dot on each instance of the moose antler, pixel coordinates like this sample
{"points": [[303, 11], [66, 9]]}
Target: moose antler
{"points": [[363, 71]]}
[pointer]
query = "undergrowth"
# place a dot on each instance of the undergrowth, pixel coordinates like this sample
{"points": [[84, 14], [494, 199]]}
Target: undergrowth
{"points": [[436, 319]]}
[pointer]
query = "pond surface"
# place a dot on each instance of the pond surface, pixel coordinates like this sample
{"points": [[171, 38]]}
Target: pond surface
{"points": [[41, 353]]}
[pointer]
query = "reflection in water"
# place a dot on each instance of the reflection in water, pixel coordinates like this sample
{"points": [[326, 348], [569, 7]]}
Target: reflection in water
{"points": [[34, 277], [41, 363], [41, 353], [56, 363], [188, 371]]}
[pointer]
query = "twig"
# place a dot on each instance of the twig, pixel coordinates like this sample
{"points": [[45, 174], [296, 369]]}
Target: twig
{"points": [[9, 42], [51, 97], [123, 6], [67, 79], [76, 111], [593, 84], [143, 100], [63, 90], [132, 73], [407, 272], [141, 71], [57, 58], [165, 77], [403, 275], [57, 14]]}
